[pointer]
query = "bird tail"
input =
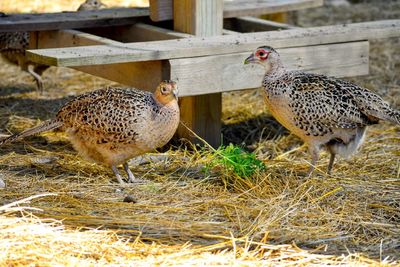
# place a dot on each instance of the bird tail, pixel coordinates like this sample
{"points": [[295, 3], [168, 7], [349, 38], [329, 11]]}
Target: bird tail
{"points": [[395, 116], [45, 126]]}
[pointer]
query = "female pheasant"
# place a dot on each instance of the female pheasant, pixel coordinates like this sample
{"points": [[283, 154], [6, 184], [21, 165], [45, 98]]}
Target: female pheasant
{"points": [[321, 110], [113, 125], [14, 44]]}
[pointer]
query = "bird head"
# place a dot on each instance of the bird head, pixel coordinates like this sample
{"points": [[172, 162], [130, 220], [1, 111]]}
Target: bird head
{"points": [[166, 92], [92, 5], [265, 56]]}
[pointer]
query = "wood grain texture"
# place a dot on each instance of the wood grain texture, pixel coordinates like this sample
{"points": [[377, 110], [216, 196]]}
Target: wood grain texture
{"points": [[252, 24], [238, 8], [211, 74], [215, 45], [202, 114], [143, 75], [72, 20], [161, 10]]}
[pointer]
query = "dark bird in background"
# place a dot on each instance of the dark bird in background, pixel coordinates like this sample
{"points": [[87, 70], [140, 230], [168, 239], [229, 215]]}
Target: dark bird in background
{"points": [[321, 110]]}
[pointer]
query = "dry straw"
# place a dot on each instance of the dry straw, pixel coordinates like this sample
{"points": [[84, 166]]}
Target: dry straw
{"points": [[58, 209]]}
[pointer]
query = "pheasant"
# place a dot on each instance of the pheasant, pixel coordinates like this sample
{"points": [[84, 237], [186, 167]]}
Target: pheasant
{"points": [[14, 44], [112, 125], [91, 5], [320, 110]]}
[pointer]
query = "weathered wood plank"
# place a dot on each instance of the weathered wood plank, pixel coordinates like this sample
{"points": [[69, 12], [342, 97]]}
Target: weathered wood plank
{"points": [[161, 10], [143, 75], [71, 20], [200, 18], [252, 24], [215, 45], [69, 38], [211, 74], [239, 8], [141, 32], [202, 114]]}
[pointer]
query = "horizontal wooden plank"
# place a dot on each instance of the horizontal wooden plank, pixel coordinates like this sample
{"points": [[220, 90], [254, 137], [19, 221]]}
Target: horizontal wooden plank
{"points": [[161, 10], [216, 45], [252, 24], [237, 8], [71, 20], [211, 74], [143, 75], [68, 38], [138, 32]]}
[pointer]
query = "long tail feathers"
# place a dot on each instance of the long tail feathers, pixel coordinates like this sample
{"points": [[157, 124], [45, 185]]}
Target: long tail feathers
{"points": [[45, 126]]}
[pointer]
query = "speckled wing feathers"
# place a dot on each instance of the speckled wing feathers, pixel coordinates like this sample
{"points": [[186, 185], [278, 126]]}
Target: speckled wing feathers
{"points": [[14, 41], [114, 114], [320, 103]]}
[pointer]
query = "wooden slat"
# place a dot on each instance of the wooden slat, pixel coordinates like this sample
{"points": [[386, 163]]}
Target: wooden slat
{"points": [[211, 74], [69, 38], [69, 20], [143, 75], [238, 8], [202, 114], [216, 45], [161, 10], [252, 24], [141, 32]]}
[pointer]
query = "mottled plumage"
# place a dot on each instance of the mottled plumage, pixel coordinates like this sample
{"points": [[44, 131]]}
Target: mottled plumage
{"points": [[91, 5], [111, 126], [14, 44], [321, 110]]}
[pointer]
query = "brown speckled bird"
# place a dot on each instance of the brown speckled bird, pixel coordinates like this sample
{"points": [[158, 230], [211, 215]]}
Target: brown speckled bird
{"points": [[321, 110], [14, 44], [91, 5], [113, 125]]}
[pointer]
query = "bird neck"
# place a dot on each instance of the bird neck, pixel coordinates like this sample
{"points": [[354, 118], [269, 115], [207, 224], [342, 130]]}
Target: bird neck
{"points": [[276, 70]]}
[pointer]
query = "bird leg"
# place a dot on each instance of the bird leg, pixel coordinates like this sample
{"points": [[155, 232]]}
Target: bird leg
{"points": [[331, 161], [38, 79], [131, 177], [314, 151], [117, 174]]}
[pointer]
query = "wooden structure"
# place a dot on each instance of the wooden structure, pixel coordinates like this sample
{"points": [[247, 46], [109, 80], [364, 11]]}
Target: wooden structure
{"points": [[202, 48]]}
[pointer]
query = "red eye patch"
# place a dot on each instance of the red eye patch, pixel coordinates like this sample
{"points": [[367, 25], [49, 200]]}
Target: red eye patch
{"points": [[262, 54]]}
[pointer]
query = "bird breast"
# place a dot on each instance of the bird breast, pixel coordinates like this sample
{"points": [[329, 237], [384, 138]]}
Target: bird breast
{"points": [[158, 126]]}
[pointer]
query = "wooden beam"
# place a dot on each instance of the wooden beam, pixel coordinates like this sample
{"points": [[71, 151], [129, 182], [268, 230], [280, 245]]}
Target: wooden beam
{"points": [[212, 74], [202, 114], [252, 24], [161, 10], [141, 32], [238, 8], [142, 75], [70, 38], [215, 45], [71, 20]]}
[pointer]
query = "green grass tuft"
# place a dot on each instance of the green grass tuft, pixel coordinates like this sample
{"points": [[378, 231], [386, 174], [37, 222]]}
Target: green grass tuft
{"points": [[235, 159]]}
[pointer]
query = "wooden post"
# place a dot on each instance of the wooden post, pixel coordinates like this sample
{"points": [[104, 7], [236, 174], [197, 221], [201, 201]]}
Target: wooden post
{"points": [[200, 113]]}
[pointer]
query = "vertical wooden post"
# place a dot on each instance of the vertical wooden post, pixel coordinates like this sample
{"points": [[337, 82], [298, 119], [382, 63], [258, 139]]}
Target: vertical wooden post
{"points": [[201, 113]]}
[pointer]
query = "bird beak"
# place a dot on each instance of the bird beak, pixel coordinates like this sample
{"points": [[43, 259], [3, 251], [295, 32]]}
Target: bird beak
{"points": [[175, 92], [249, 60], [103, 5]]}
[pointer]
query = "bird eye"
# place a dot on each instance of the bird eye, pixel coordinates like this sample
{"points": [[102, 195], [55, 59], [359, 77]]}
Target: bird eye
{"points": [[164, 90], [261, 54]]}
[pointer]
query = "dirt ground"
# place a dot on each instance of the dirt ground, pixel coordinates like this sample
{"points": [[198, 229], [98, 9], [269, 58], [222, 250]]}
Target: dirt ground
{"points": [[355, 211]]}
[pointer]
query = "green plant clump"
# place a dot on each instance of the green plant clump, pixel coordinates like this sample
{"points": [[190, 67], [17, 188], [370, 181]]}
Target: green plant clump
{"points": [[234, 159]]}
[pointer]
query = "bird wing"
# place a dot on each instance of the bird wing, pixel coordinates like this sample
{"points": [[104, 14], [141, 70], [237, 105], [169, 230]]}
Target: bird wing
{"points": [[105, 115], [14, 41], [326, 102]]}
